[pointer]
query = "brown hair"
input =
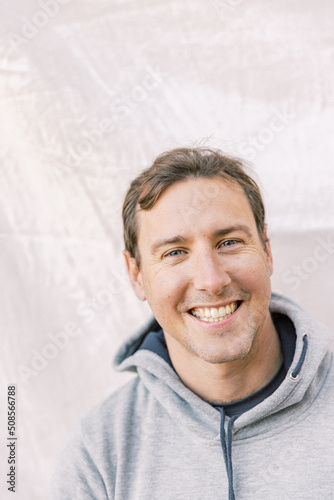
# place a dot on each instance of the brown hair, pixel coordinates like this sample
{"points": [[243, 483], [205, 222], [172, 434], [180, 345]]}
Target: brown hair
{"points": [[178, 165]]}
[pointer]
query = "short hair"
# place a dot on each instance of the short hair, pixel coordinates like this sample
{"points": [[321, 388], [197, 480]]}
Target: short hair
{"points": [[179, 165]]}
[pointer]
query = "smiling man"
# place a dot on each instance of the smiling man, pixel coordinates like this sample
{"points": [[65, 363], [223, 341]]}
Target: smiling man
{"points": [[206, 276], [232, 380]]}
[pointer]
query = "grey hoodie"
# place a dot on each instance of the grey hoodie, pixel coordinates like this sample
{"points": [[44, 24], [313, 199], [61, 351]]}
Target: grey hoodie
{"points": [[155, 439]]}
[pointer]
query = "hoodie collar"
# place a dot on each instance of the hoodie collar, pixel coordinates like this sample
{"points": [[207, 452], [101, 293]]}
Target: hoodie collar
{"points": [[312, 342]]}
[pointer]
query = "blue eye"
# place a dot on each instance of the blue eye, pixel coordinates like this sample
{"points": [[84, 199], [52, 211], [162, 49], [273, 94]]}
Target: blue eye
{"points": [[173, 253], [228, 243]]}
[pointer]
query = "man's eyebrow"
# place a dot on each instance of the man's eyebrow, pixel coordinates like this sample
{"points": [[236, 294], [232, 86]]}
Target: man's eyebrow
{"points": [[178, 239], [227, 230], [168, 241]]}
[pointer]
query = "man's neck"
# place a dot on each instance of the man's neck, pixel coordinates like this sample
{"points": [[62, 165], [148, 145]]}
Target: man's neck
{"points": [[231, 381]]}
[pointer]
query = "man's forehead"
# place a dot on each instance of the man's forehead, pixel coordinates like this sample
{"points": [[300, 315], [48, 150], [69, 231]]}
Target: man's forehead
{"points": [[212, 203], [194, 194]]}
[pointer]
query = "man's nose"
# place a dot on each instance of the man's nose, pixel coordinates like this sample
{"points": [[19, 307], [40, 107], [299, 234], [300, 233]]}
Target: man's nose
{"points": [[210, 273]]}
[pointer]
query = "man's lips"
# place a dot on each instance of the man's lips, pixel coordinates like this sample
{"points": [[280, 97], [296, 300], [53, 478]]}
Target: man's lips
{"points": [[210, 314]]}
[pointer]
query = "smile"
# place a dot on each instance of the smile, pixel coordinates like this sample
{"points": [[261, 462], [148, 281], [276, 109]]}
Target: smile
{"points": [[214, 314]]}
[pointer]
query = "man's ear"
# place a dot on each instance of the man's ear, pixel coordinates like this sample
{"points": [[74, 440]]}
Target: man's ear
{"points": [[268, 250], [134, 275]]}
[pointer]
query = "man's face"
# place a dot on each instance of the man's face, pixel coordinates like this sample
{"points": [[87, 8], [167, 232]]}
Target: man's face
{"points": [[204, 270]]}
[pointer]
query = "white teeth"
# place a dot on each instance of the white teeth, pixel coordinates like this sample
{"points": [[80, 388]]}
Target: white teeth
{"points": [[222, 311], [214, 314]]}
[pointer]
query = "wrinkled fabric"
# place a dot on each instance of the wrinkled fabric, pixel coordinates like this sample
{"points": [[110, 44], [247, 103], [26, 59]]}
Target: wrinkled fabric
{"points": [[90, 93]]}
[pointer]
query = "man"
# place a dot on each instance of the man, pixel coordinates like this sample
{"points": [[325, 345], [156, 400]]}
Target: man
{"points": [[234, 389]]}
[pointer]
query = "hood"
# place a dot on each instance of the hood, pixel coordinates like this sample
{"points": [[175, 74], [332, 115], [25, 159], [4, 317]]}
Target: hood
{"points": [[306, 375]]}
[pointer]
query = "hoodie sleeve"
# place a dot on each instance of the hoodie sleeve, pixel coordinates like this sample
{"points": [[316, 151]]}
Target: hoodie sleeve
{"points": [[76, 476]]}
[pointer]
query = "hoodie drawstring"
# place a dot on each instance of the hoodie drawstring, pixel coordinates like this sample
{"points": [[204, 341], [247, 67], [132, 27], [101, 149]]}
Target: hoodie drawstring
{"points": [[294, 374], [226, 435], [226, 442]]}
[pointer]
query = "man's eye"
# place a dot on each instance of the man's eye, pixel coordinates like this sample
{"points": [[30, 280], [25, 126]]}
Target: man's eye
{"points": [[228, 243], [173, 253]]}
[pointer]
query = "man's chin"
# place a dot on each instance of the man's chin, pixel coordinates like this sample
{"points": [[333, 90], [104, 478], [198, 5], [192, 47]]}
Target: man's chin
{"points": [[222, 354]]}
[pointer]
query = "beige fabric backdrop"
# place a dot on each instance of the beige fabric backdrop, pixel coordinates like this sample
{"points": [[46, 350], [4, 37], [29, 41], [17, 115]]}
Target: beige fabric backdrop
{"points": [[90, 93]]}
